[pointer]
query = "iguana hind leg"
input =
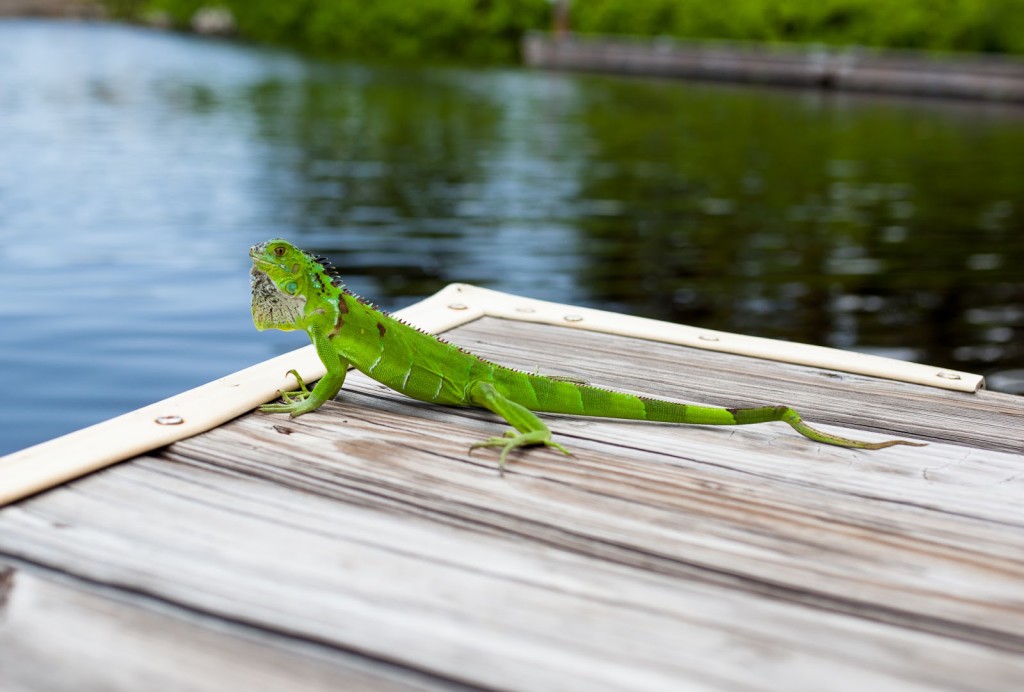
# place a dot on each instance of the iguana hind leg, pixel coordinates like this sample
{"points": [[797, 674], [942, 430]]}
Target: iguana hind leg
{"points": [[529, 429]]}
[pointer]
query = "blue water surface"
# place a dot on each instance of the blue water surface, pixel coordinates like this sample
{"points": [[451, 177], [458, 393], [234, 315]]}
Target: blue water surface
{"points": [[137, 167], [124, 218]]}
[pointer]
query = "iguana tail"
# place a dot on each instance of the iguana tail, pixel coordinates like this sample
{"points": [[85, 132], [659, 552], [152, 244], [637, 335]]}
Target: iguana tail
{"points": [[562, 396]]}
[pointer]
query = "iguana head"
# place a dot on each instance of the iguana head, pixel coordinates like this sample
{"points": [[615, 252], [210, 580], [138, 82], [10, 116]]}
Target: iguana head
{"points": [[289, 286]]}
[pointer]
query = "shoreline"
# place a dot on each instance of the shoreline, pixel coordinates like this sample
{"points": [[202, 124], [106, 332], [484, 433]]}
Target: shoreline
{"points": [[965, 76], [850, 68], [53, 9]]}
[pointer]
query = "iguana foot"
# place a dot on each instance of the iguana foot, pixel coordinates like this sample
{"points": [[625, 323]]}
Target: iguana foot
{"points": [[299, 394], [296, 401], [513, 439]]}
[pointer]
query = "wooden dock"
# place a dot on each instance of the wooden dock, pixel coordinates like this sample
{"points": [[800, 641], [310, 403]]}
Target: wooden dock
{"points": [[851, 68], [362, 547]]}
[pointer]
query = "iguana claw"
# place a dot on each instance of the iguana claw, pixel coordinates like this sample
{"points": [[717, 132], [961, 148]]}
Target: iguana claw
{"points": [[296, 401]]}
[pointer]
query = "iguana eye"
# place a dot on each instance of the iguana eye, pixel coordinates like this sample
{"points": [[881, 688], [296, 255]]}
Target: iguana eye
{"points": [[279, 250], [291, 287]]}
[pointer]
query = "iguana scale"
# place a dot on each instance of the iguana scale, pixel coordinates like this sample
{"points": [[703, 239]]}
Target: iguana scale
{"points": [[294, 290]]}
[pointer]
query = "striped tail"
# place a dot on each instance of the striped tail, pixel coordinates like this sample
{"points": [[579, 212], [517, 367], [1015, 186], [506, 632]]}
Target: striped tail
{"points": [[559, 396]]}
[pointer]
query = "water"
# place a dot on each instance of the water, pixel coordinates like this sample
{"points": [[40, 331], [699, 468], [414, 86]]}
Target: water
{"points": [[137, 167]]}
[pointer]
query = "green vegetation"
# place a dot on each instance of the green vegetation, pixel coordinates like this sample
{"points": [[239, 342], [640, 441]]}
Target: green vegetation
{"points": [[970, 25], [464, 29], [491, 29]]}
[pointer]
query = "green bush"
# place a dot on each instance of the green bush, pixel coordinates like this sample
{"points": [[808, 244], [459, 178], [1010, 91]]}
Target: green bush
{"points": [[969, 25], [492, 29], [474, 29]]}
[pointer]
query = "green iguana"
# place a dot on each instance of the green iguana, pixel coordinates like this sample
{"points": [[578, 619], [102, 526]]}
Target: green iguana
{"points": [[293, 290]]}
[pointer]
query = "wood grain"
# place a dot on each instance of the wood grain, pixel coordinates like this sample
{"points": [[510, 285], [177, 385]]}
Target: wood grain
{"points": [[132, 644], [365, 539]]}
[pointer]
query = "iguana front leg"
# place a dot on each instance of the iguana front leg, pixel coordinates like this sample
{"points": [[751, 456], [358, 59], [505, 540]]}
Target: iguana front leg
{"points": [[531, 429], [304, 400]]}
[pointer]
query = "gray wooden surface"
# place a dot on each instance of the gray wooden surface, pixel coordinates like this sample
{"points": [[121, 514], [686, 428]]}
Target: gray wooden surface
{"points": [[362, 547]]}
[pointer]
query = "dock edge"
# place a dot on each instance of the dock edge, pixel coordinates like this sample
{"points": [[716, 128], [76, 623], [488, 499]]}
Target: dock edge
{"points": [[70, 456]]}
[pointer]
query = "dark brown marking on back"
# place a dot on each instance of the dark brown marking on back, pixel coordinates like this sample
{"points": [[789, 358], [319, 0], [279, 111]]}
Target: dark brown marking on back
{"points": [[342, 311], [381, 330]]}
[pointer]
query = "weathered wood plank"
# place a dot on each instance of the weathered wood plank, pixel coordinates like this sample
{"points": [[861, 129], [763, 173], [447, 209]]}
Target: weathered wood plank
{"points": [[507, 605], [773, 521], [658, 556], [63, 634]]}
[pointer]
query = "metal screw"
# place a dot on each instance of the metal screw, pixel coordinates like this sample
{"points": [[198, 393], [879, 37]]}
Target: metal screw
{"points": [[457, 306], [707, 337], [946, 375], [573, 318], [169, 420]]}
